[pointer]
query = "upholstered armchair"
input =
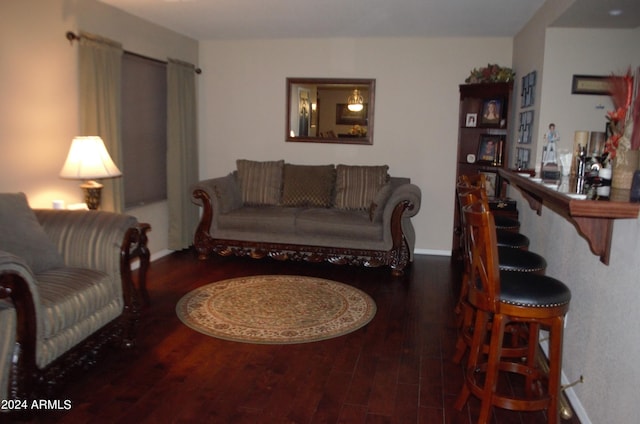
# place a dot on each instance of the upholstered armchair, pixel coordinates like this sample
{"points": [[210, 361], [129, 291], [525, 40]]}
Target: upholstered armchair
{"points": [[67, 290]]}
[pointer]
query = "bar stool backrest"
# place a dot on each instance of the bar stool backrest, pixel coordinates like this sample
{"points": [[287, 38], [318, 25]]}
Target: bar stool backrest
{"points": [[483, 266], [470, 189]]}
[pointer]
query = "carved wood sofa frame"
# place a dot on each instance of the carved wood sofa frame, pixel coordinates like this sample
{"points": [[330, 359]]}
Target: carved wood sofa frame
{"points": [[27, 381], [397, 258]]}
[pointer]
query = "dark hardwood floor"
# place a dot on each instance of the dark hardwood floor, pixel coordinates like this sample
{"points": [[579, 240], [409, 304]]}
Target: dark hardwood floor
{"points": [[397, 369]]}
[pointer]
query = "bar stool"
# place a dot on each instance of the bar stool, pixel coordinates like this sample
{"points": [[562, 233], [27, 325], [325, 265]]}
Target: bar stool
{"points": [[508, 229], [500, 298], [509, 259]]}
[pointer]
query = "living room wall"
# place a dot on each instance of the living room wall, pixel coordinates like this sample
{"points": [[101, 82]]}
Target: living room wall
{"points": [[242, 109], [601, 339], [39, 106]]}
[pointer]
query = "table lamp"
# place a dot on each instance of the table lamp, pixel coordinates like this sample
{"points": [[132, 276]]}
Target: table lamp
{"points": [[88, 160]]}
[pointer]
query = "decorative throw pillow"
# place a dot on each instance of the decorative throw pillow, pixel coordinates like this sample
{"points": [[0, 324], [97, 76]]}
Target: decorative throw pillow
{"points": [[260, 182], [308, 185], [376, 210], [23, 236], [356, 186]]}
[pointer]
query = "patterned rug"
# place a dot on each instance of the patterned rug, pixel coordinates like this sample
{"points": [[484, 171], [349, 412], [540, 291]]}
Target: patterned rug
{"points": [[276, 309]]}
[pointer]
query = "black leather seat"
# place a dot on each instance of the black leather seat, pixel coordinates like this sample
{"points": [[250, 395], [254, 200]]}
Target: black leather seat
{"points": [[512, 239]]}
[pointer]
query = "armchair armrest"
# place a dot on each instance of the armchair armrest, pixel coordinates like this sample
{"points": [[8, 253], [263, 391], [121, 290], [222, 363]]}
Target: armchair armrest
{"points": [[17, 285], [87, 239]]}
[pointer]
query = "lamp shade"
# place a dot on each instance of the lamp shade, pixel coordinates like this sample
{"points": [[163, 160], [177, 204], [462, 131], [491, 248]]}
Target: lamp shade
{"points": [[88, 159]]}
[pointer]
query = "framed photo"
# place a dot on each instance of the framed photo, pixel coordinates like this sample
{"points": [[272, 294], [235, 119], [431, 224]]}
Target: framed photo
{"points": [[528, 89], [590, 84], [492, 113], [522, 158], [344, 116], [491, 179], [526, 124], [472, 120], [490, 149]]}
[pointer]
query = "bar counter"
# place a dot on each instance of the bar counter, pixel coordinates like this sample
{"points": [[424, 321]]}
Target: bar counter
{"points": [[593, 219]]}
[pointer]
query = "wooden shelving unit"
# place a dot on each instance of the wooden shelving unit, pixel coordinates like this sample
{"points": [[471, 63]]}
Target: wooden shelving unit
{"points": [[477, 132]]}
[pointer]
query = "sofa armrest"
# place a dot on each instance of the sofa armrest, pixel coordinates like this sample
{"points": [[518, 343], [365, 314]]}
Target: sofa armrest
{"points": [[404, 193], [216, 196], [223, 192], [403, 203]]}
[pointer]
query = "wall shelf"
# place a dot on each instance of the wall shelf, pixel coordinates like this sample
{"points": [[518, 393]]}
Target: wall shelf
{"points": [[593, 219]]}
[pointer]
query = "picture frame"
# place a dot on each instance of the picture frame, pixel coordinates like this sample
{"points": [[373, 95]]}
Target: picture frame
{"points": [[492, 112], [525, 128], [472, 120], [490, 148], [522, 158], [590, 84], [344, 116], [528, 90], [491, 180]]}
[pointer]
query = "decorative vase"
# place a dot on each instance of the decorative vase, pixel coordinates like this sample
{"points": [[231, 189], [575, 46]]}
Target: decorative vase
{"points": [[624, 165]]}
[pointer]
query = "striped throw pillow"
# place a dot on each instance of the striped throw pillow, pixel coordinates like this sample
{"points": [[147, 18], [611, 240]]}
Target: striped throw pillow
{"points": [[260, 182], [357, 186]]}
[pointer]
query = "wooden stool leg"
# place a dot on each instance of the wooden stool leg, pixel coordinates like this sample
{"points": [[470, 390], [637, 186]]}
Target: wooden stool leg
{"points": [[532, 350], [479, 335], [555, 368], [493, 365]]}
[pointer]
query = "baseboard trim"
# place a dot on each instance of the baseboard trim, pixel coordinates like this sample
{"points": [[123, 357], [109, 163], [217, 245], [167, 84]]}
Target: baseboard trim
{"points": [[432, 252], [135, 264]]}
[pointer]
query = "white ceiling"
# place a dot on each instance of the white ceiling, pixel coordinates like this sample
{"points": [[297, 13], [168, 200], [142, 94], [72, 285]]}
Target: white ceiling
{"points": [[250, 19]]}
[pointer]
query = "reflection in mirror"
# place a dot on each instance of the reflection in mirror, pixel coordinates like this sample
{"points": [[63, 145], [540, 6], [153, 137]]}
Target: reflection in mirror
{"points": [[330, 110]]}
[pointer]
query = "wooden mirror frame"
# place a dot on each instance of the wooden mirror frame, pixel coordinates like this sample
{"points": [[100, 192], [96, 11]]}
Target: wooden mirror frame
{"points": [[340, 132]]}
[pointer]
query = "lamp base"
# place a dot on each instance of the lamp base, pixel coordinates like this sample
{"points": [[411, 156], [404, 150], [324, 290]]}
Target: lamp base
{"points": [[92, 192]]}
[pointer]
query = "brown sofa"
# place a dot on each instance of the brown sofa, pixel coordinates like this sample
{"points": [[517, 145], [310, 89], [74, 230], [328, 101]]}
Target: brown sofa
{"points": [[341, 214], [67, 291]]}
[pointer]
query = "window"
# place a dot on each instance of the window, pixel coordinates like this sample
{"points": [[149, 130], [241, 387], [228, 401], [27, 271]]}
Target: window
{"points": [[144, 130]]}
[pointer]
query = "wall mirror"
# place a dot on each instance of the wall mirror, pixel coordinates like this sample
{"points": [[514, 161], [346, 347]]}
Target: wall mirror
{"points": [[330, 110]]}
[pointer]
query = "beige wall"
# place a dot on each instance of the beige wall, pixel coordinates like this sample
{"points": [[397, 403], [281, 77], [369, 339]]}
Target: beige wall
{"points": [[38, 104], [242, 109], [602, 338]]}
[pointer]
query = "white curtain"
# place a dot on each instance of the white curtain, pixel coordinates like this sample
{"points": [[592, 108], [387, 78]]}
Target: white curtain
{"points": [[100, 85], [182, 152]]}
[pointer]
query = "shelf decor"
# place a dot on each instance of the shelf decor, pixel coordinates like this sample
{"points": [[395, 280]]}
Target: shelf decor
{"points": [[490, 73], [622, 145]]}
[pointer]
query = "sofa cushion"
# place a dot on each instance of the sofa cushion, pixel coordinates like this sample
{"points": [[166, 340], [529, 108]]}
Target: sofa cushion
{"points": [[262, 219], [357, 186], [337, 223], [23, 236], [260, 182], [308, 185]]}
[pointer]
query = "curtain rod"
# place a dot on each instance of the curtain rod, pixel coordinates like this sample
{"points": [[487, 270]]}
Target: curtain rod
{"points": [[71, 36]]}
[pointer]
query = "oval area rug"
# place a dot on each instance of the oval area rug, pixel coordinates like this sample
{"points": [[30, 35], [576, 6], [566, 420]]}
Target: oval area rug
{"points": [[276, 309]]}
